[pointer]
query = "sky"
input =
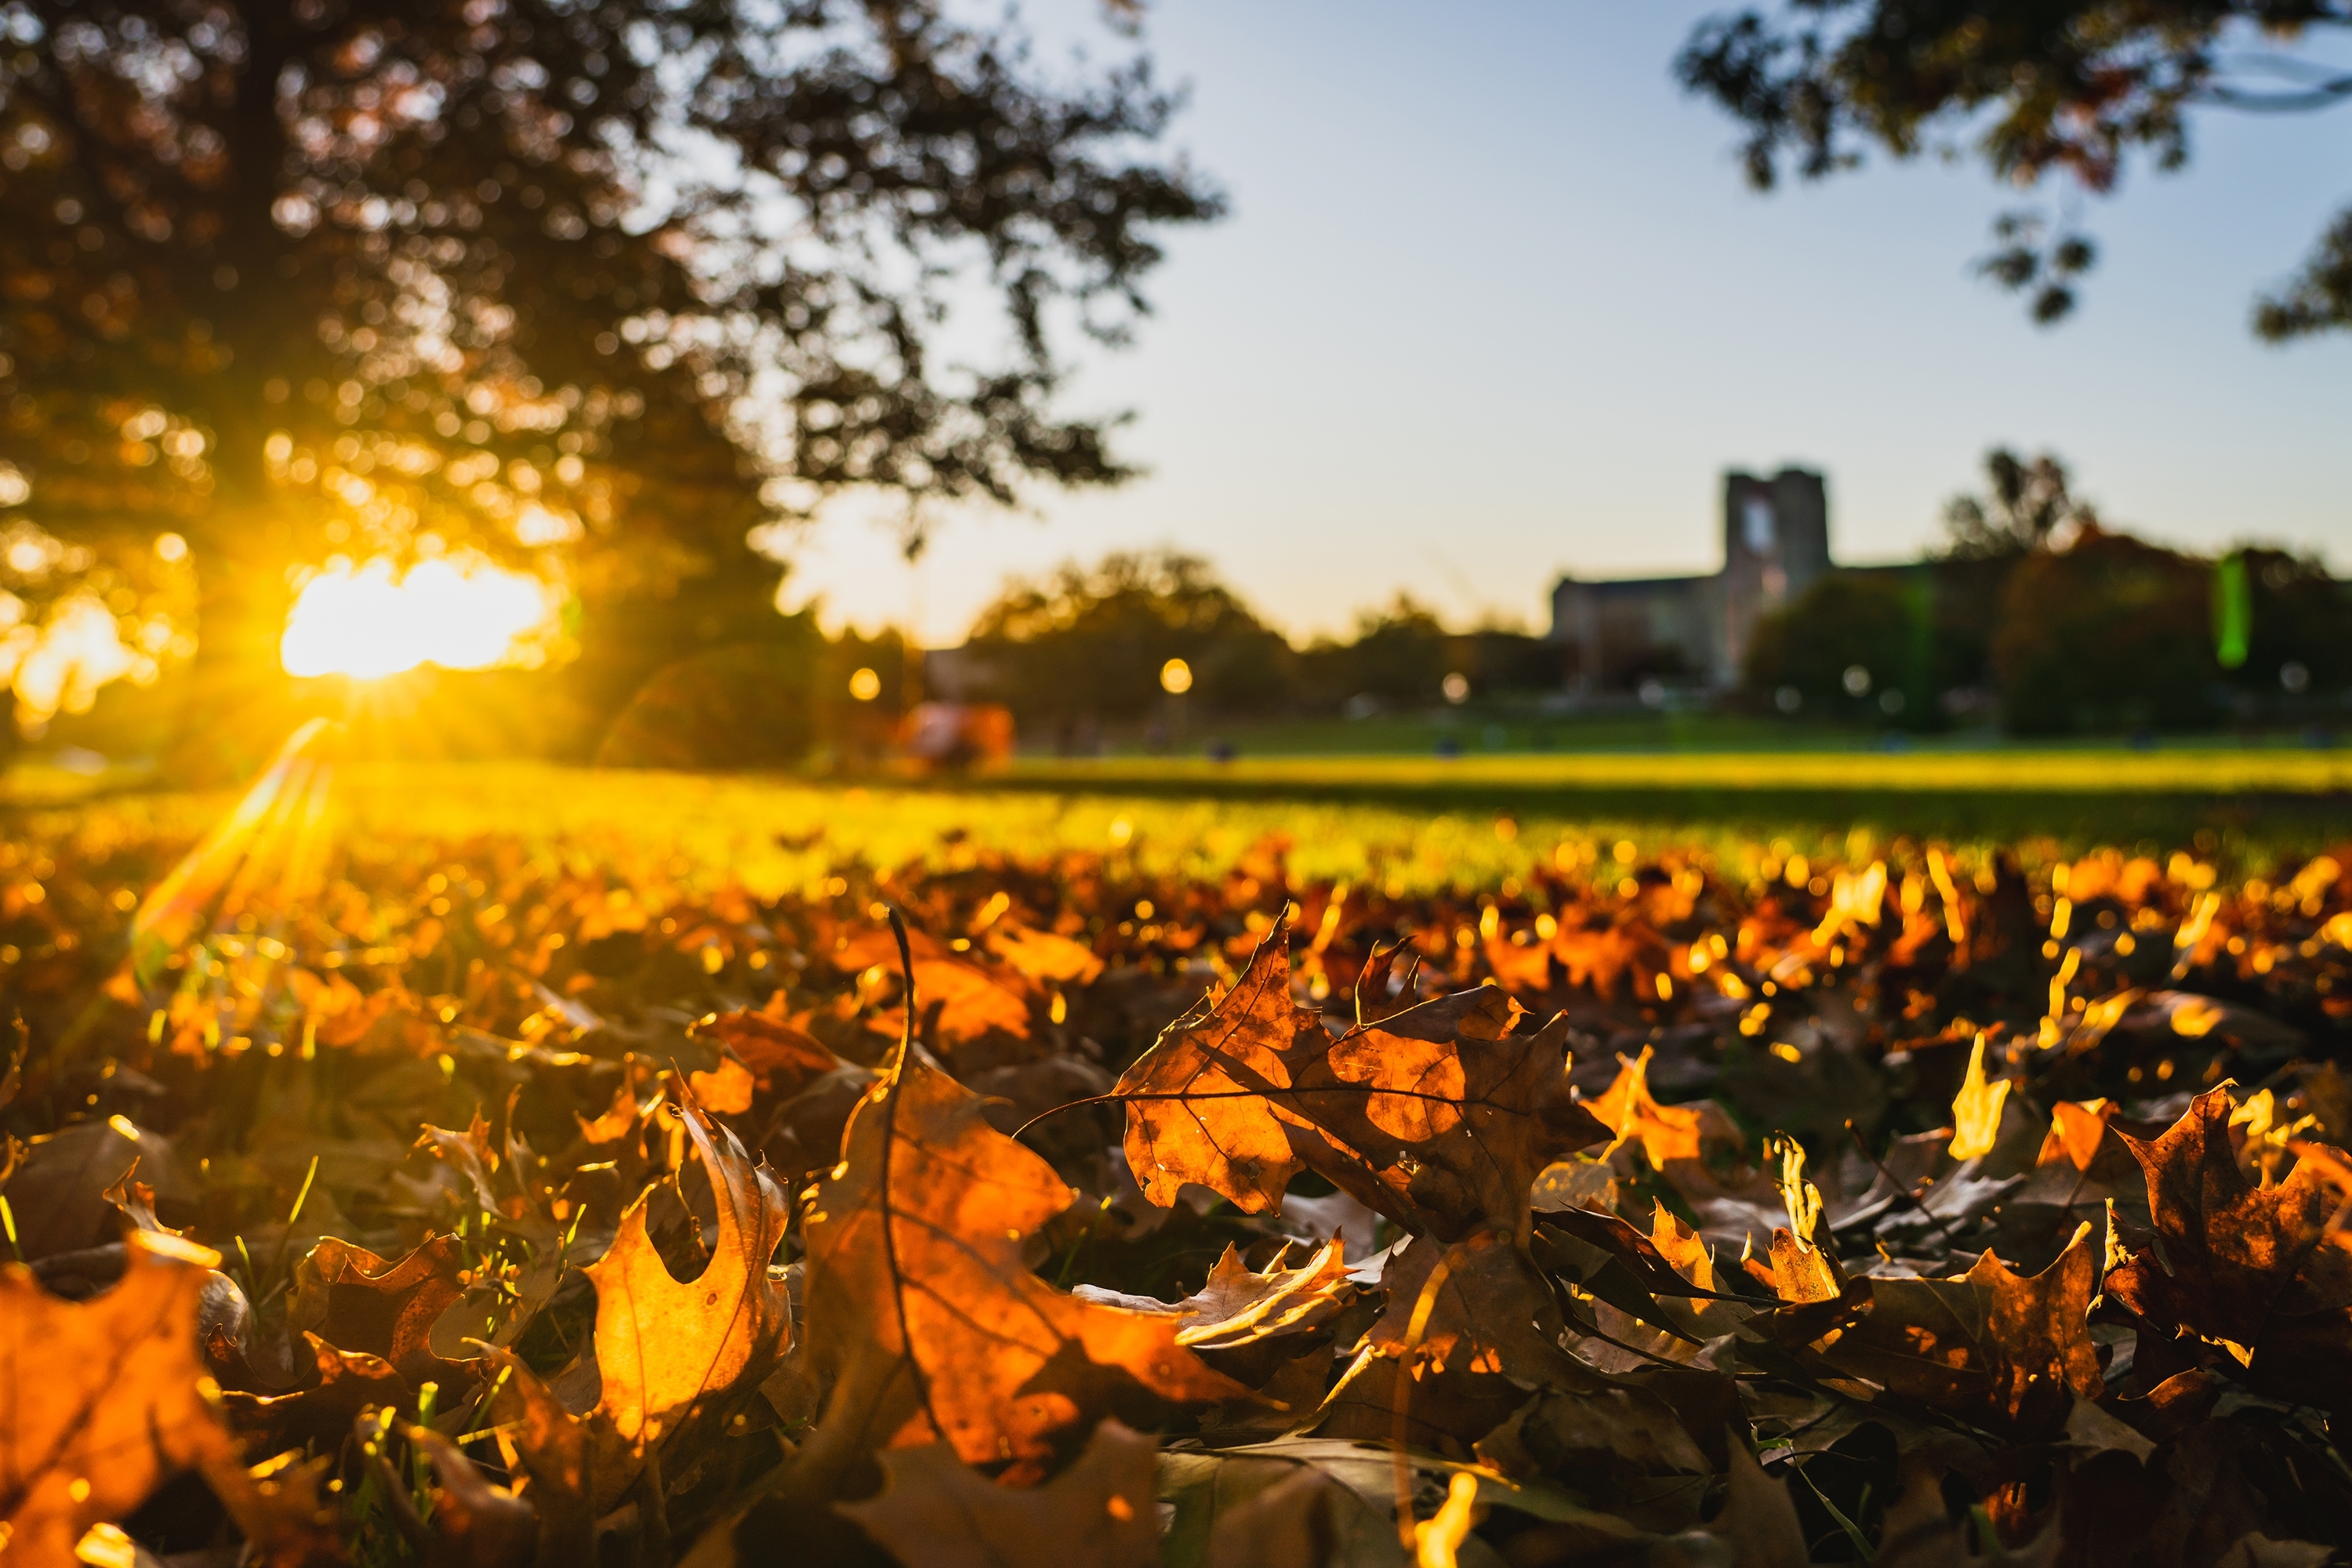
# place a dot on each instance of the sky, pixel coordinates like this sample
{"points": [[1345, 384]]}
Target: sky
{"points": [[1493, 303]]}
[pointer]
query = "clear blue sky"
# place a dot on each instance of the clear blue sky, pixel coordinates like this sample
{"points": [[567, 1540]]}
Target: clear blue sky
{"points": [[1494, 302]]}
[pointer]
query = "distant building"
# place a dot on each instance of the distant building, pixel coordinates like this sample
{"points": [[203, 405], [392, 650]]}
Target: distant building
{"points": [[1694, 631]]}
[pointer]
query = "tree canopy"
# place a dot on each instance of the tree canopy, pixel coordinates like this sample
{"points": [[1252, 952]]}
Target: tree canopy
{"points": [[609, 282], [2026, 506], [2069, 90]]}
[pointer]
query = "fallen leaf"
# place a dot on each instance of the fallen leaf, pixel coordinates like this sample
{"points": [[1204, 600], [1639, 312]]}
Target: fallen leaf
{"points": [[1493, 1311], [772, 1043], [665, 1345], [104, 1400], [936, 1512], [921, 1310], [1290, 1524], [1239, 1305], [726, 1090], [2242, 1263], [358, 1302], [1991, 1347], [1665, 1132], [966, 1000], [1042, 955], [1437, 1115], [1976, 1110]]}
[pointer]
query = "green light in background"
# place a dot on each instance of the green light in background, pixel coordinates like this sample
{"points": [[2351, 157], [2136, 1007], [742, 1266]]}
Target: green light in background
{"points": [[2233, 610]]}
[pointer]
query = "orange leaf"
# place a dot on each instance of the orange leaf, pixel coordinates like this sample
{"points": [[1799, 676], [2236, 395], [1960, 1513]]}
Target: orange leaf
{"points": [[665, 1345], [922, 1309], [1438, 1116], [101, 1401]]}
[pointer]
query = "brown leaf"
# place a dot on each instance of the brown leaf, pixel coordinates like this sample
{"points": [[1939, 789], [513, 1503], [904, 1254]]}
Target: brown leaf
{"points": [[1290, 1524], [776, 1046], [2077, 1129], [475, 1523], [349, 1382], [937, 1512], [555, 1447], [101, 1401], [1796, 1272], [921, 1309], [1437, 1116], [59, 1195], [665, 1345], [2241, 1264], [358, 1302], [1991, 1346], [1494, 1312], [281, 1506], [1758, 1521], [1239, 1305], [726, 1090]]}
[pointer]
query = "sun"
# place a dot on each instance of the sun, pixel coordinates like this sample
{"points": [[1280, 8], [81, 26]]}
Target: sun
{"points": [[373, 620]]}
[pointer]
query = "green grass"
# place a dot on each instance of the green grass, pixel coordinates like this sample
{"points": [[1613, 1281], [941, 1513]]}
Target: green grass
{"points": [[1410, 823]]}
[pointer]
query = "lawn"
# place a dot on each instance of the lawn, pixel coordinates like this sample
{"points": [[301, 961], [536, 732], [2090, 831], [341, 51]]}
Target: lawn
{"points": [[1413, 823]]}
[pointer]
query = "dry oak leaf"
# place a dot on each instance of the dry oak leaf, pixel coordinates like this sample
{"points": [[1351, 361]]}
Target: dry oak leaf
{"points": [[920, 1308], [662, 1343], [1492, 1312], [970, 999], [358, 1302], [1991, 1346], [937, 1512], [1632, 1115], [772, 1042], [552, 1445], [102, 1400], [1042, 955], [347, 1383], [1239, 1305], [1437, 1115], [1797, 1273], [2242, 1265]]}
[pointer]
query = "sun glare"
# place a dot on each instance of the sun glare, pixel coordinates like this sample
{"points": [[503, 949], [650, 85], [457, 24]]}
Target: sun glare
{"points": [[371, 621]]}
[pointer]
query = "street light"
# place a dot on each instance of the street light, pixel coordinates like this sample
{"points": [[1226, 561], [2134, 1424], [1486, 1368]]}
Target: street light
{"points": [[864, 686]]}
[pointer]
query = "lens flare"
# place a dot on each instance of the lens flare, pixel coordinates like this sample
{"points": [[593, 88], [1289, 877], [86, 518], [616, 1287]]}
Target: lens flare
{"points": [[373, 620]]}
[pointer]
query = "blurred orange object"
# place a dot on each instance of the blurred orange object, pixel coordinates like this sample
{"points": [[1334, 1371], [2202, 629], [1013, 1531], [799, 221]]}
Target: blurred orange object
{"points": [[953, 736]]}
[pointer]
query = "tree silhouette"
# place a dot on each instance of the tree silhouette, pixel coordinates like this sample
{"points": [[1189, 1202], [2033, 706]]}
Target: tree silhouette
{"points": [[608, 284], [2070, 89]]}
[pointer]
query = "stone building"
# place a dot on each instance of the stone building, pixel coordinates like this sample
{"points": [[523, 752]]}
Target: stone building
{"points": [[1693, 631]]}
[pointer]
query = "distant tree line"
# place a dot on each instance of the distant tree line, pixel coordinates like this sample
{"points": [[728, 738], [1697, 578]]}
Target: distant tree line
{"points": [[1085, 647], [2037, 610]]}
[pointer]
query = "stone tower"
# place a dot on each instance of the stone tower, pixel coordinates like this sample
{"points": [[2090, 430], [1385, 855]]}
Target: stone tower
{"points": [[1776, 544]]}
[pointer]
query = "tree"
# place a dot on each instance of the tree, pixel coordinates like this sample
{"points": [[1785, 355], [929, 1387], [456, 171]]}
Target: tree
{"points": [[2068, 90], [596, 287], [1399, 656], [2112, 632], [1847, 622], [2026, 506], [1088, 644], [2298, 617]]}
